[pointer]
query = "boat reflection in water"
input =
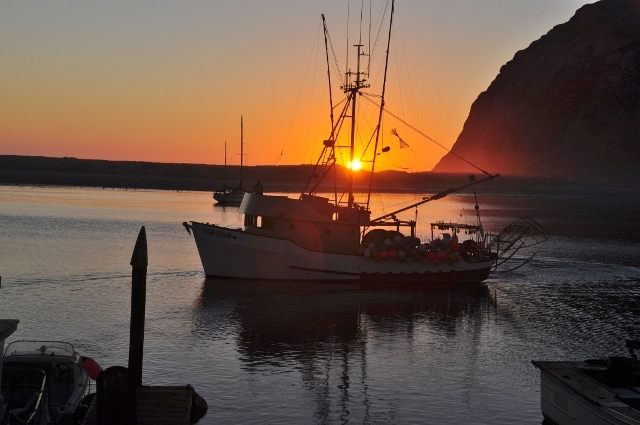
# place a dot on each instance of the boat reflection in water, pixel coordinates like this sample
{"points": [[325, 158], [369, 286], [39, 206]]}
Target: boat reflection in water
{"points": [[337, 339]]}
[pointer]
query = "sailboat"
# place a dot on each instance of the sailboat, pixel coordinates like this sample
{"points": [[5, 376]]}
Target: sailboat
{"points": [[232, 195], [334, 238]]}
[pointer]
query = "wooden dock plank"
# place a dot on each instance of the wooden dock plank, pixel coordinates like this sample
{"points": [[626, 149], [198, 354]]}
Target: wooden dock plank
{"points": [[163, 405], [159, 405]]}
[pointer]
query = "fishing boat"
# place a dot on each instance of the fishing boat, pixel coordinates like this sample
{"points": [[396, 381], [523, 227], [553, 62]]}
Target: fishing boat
{"points": [[232, 195], [335, 237], [45, 382], [592, 392]]}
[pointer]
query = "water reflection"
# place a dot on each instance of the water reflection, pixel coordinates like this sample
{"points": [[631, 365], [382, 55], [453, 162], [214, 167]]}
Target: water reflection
{"points": [[326, 331], [281, 319]]}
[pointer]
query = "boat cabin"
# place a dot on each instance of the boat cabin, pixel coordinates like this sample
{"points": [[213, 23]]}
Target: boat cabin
{"points": [[311, 222], [457, 229]]}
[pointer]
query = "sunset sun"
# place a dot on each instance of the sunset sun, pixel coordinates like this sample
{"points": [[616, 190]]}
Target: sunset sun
{"points": [[355, 165]]}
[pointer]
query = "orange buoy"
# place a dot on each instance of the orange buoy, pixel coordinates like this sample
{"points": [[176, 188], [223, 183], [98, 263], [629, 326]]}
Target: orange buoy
{"points": [[92, 367], [454, 245], [431, 256]]}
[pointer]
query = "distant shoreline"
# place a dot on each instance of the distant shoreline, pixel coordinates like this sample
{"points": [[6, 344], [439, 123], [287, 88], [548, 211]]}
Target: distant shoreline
{"points": [[26, 170]]}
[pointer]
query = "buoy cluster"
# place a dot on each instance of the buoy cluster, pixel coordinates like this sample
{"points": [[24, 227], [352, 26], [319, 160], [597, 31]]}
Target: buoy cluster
{"points": [[408, 249]]}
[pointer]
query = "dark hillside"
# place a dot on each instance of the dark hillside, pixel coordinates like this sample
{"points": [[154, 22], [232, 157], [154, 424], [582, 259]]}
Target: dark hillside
{"points": [[566, 106], [35, 170]]}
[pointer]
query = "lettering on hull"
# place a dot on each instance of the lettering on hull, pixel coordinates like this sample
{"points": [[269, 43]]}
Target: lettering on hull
{"points": [[556, 398], [218, 233]]}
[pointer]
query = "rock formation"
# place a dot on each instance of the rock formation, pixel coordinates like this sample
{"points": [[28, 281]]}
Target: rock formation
{"points": [[566, 106]]}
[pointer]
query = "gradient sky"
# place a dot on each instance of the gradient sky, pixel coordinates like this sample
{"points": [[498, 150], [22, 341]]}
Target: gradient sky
{"points": [[167, 81]]}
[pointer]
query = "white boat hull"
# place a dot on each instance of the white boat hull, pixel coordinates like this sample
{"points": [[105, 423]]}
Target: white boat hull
{"points": [[236, 254]]}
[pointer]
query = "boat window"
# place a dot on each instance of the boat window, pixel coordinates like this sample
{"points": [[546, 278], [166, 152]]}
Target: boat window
{"points": [[259, 221], [250, 220]]}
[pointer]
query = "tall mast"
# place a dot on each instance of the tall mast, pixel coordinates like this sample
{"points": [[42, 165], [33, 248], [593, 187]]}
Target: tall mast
{"points": [[333, 136], [354, 89], [326, 50], [384, 86], [241, 149]]}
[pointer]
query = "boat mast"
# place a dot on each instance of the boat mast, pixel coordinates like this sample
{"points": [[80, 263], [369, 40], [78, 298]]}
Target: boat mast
{"points": [[241, 149], [224, 186], [353, 89], [326, 51], [332, 137], [384, 86]]}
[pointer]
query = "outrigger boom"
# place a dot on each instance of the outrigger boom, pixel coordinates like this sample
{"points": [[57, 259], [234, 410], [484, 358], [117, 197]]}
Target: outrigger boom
{"points": [[378, 221]]}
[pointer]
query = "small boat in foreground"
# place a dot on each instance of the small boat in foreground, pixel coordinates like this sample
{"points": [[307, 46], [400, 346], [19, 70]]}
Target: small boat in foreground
{"points": [[592, 392], [45, 382]]}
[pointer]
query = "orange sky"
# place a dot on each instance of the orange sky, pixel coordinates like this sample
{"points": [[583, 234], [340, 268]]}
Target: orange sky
{"points": [[167, 81]]}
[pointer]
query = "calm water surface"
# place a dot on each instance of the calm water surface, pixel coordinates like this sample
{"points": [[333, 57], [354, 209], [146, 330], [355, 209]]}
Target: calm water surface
{"points": [[334, 353]]}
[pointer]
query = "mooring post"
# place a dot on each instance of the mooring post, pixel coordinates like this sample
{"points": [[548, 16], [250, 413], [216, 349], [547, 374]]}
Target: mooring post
{"points": [[139, 263]]}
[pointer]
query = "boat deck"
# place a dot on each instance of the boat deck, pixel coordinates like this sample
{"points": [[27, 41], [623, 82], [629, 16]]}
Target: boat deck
{"points": [[588, 388]]}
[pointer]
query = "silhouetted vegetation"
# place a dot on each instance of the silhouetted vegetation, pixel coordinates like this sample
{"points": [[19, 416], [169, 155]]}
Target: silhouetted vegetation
{"points": [[37, 170]]}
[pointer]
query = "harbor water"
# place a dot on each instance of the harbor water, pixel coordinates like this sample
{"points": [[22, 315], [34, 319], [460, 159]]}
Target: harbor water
{"points": [[291, 353]]}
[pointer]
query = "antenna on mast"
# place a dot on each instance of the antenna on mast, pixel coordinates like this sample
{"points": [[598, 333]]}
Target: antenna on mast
{"points": [[369, 44]]}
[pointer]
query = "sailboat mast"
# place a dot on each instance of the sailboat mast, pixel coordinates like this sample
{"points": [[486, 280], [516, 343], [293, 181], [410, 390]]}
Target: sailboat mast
{"points": [[225, 166], [241, 149]]}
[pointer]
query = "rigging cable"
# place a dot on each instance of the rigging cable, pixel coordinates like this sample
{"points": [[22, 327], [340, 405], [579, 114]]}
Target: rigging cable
{"points": [[427, 137], [406, 71], [361, 10], [380, 28], [313, 87], [402, 107], [335, 59], [348, 18], [298, 99], [369, 42]]}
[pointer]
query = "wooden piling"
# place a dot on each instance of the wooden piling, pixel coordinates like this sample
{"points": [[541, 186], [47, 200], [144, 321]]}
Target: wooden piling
{"points": [[139, 263], [121, 398]]}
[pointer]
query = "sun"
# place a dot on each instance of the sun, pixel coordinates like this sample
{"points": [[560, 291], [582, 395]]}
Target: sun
{"points": [[355, 165]]}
